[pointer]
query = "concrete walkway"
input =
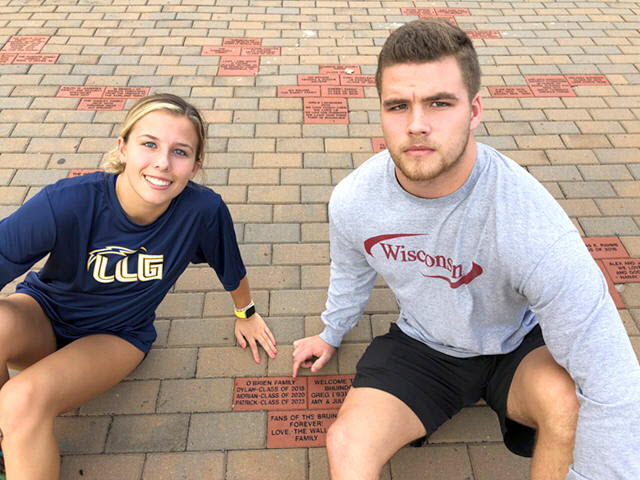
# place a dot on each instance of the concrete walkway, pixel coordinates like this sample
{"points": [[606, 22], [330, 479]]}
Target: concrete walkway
{"points": [[280, 138]]}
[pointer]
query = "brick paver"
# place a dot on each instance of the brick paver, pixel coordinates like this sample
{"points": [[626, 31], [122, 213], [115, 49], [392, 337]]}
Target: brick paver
{"points": [[173, 416]]}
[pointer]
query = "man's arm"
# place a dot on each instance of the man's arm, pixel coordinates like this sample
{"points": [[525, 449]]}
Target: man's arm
{"points": [[352, 279], [585, 335]]}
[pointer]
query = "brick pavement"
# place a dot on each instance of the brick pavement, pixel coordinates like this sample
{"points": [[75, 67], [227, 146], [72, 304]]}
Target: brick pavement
{"points": [[172, 418]]}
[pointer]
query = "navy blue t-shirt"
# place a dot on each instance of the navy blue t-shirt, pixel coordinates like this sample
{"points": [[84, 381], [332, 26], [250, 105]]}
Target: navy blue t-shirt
{"points": [[105, 273]]}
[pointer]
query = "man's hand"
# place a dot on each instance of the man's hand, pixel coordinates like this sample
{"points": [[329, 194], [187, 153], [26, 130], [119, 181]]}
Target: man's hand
{"points": [[306, 349], [252, 329]]}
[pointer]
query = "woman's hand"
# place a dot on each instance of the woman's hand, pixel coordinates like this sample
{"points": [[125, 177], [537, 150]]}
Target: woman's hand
{"points": [[254, 330]]}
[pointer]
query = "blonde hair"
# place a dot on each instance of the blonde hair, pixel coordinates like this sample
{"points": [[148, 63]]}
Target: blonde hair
{"points": [[161, 101]]}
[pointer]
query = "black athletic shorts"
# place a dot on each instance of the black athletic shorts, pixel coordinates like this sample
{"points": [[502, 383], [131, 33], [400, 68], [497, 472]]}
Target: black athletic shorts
{"points": [[436, 386]]}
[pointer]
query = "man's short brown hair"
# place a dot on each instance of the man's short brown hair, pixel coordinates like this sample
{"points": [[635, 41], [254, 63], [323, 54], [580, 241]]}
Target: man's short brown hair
{"points": [[430, 40]]}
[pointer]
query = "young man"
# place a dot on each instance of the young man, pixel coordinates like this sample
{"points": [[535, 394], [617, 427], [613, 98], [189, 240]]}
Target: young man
{"points": [[484, 264]]}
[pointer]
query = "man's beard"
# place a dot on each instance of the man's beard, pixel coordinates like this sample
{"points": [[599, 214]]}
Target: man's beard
{"points": [[424, 170]]}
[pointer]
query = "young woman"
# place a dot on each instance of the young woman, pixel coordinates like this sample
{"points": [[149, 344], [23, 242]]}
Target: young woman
{"points": [[116, 242]]}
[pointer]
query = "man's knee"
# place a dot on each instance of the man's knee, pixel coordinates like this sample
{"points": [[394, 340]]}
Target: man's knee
{"points": [[558, 407]]}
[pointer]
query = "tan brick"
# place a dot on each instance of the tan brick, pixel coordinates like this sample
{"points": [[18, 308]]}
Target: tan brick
{"points": [[274, 193], [538, 141], [527, 157], [558, 157], [298, 302], [278, 130], [300, 213], [303, 145], [82, 434], [316, 194], [180, 305], [126, 398], [627, 189], [617, 155], [95, 467], [347, 145], [148, 433], [315, 232], [230, 362], [272, 233], [252, 145], [579, 207], [11, 145], [163, 466], [251, 213], [246, 430], [450, 462], [632, 245], [12, 195], [295, 254], [574, 114], [281, 160], [471, 424], [605, 172], [195, 395], [624, 140], [163, 363], [496, 462], [306, 176], [586, 141], [619, 206]]}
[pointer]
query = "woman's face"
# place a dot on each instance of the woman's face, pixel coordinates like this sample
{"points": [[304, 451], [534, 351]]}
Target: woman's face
{"points": [[160, 158]]}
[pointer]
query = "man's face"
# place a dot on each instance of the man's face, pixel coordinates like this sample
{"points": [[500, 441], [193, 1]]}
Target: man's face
{"points": [[427, 120]]}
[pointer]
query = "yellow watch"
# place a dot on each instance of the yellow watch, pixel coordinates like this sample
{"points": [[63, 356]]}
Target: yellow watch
{"points": [[246, 312]]}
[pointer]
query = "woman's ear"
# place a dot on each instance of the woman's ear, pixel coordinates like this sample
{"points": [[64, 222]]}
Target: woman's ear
{"points": [[121, 150], [196, 168]]}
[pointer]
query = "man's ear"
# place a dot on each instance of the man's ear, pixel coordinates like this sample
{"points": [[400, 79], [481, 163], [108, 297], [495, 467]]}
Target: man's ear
{"points": [[476, 112]]}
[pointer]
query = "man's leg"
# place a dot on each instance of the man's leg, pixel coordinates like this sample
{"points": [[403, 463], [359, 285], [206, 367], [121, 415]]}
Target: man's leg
{"points": [[371, 426], [542, 396]]}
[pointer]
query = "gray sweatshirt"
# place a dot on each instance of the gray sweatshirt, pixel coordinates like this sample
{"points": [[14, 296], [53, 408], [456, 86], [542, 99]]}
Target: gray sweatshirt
{"points": [[473, 272]]}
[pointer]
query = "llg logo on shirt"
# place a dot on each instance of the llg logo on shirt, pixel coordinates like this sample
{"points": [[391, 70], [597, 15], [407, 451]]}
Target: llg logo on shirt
{"points": [[400, 253], [149, 266]]}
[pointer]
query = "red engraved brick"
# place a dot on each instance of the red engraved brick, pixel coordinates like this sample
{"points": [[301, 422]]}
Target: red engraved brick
{"points": [[419, 12], [299, 428], [605, 247], [345, 92], [126, 92], [7, 58], [587, 80], [238, 66], [70, 91], [623, 270], [510, 92], [270, 393], [549, 86], [259, 51], [211, 51], [102, 104], [450, 12], [326, 79], [36, 58], [483, 34], [78, 172], [326, 110], [328, 391], [364, 80], [299, 91], [25, 43], [378, 144], [615, 296], [346, 69], [242, 42]]}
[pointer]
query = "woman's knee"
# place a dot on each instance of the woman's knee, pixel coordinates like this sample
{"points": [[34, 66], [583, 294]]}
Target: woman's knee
{"points": [[23, 403]]}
